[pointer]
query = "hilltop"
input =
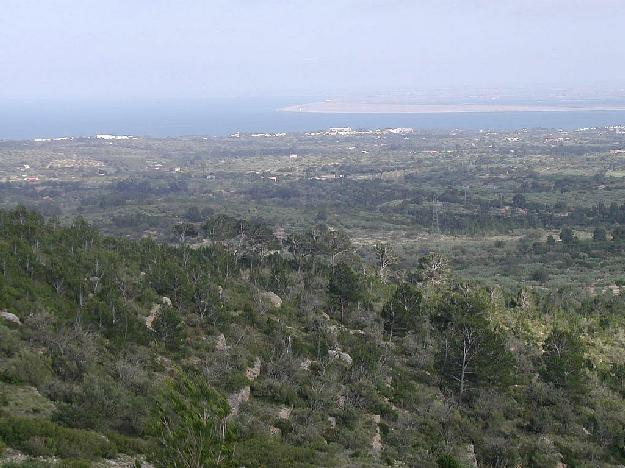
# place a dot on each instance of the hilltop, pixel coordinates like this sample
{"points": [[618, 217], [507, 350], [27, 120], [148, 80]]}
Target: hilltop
{"points": [[257, 349]]}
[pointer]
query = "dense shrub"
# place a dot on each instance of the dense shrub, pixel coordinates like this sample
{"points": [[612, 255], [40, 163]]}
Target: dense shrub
{"points": [[267, 452], [447, 461], [40, 437], [28, 368]]}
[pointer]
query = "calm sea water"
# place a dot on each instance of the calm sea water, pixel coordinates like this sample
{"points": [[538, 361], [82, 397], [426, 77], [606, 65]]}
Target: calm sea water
{"points": [[26, 120]]}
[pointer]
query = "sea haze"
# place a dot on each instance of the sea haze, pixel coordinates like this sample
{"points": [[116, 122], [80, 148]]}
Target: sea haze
{"points": [[218, 117]]}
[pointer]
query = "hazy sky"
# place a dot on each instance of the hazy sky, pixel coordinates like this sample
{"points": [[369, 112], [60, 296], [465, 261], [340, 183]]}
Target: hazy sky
{"points": [[205, 48]]}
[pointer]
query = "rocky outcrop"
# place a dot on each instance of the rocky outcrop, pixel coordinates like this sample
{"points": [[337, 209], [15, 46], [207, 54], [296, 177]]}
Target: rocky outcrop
{"points": [[126, 461], [284, 413], [149, 320], [12, 456], [272, 297], [471, 458], [340, 355], [154, 311], [235, 400], [376, 441], [9, 317], [220, 344], [253, 372], [340, 401]]}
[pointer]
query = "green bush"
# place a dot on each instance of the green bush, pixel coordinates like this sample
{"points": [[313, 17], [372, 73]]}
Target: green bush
{"points": [[4, 397], [129, 445], [541, 275], [564, 363], [44, 438], [277, 392], [190, 424], [102, 403], [447, 461], [271, 453], [234, 381], [169, 328], [28, 368], [9, 344]]}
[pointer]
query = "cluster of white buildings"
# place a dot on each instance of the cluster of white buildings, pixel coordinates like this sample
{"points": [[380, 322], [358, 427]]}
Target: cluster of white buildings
{"points": [[281, 134], [97, 137], [39, 140], [349, 131], [113, 137]]}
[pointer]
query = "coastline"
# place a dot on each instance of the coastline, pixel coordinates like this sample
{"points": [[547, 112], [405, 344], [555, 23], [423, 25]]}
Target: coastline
{"points": [[391, 108]]}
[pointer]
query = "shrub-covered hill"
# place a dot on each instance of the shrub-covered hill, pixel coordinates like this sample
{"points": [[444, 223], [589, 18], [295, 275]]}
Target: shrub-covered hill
{"points": [[288, 350]]}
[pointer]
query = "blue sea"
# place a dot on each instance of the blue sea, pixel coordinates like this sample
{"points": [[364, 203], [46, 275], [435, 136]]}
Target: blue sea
{"points": [[217, 117]]}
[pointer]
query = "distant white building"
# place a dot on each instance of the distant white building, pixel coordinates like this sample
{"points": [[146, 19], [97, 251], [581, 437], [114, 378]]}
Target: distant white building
{"points": [[400, 131], [39, 140], [113, 137], [340, 131]]}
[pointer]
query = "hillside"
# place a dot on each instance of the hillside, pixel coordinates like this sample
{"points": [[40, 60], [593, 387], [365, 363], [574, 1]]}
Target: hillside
{"points": [[250, 348]]}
